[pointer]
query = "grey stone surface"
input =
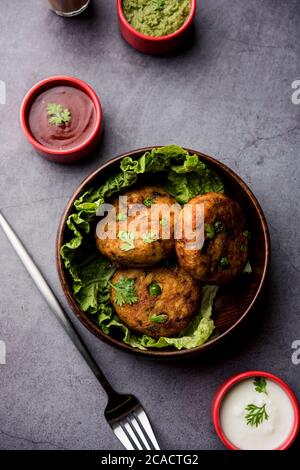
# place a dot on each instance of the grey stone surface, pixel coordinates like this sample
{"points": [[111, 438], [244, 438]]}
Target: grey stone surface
{"points": [[228, 95]]}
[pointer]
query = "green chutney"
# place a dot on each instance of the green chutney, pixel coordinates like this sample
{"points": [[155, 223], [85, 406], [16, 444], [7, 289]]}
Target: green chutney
{"points": [[156, 17]]}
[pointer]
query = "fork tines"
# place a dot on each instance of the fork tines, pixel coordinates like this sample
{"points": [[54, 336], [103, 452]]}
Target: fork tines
{"points": [[135, 431]]}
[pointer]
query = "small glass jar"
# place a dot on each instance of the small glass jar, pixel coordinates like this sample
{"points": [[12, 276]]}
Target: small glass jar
{"points": [[68, 7]]}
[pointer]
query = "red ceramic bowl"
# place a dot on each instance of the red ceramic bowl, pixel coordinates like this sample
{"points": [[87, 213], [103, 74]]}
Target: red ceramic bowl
{"points": [[56, 155], [154, 45], [224, 389]]}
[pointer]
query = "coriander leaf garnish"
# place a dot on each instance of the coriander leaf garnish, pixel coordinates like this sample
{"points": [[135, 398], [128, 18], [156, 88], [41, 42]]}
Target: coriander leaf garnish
{"points": [[121, 216], [149, 237], [260, 385], [218, 226], [58, 115], [223, 262], [243, 247], [256, 414], [125, 291], [128, 240], [148, 202], [212, 230], [209, 230], [162, 318], [246, 234]]}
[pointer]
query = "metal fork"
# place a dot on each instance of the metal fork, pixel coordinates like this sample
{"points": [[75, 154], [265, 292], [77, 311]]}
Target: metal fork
{"points": [[124, 413]]}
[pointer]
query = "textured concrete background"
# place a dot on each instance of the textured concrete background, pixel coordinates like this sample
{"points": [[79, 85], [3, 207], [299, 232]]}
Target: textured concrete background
{"points": [[228, 95]]}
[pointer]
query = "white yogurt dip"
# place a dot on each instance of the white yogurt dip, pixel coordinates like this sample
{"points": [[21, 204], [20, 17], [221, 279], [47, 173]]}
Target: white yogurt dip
{"points": [[269, 413]]}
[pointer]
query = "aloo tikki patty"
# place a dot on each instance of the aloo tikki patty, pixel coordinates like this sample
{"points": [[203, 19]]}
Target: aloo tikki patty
{"points": [[155, 301], [225, 250], [147, 245]]}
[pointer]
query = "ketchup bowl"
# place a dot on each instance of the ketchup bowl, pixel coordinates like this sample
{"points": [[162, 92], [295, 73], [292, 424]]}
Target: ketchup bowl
{"points": [[258, 409], [61, 117], [155, 45]]}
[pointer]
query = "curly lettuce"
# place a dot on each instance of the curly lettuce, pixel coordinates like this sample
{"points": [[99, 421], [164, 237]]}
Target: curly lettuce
{"points": [[184, 176]]}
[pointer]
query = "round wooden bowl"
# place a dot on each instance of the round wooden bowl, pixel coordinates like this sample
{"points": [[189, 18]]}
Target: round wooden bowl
{"points": [[233, 303]]}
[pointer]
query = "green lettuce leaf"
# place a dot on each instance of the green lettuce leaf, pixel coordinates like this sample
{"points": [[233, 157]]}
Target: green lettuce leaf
{"points": [[187, 176], [184, 176], [191, 178], [158, 159]]}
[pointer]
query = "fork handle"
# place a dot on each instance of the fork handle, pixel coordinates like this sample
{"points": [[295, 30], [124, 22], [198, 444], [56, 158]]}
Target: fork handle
{"points": [[54, 304]]}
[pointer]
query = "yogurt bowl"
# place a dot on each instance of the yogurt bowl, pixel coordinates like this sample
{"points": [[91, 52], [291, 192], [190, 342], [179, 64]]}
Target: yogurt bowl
{"points": [[256, 410]]}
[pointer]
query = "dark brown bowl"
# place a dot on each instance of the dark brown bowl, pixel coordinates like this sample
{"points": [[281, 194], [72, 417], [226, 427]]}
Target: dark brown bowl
{"points": [[233, 303]]}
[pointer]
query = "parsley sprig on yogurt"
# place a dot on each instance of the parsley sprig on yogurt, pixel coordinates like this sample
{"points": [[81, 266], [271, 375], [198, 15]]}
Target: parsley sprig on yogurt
{"points": [[256, 414], [260, 385]]}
